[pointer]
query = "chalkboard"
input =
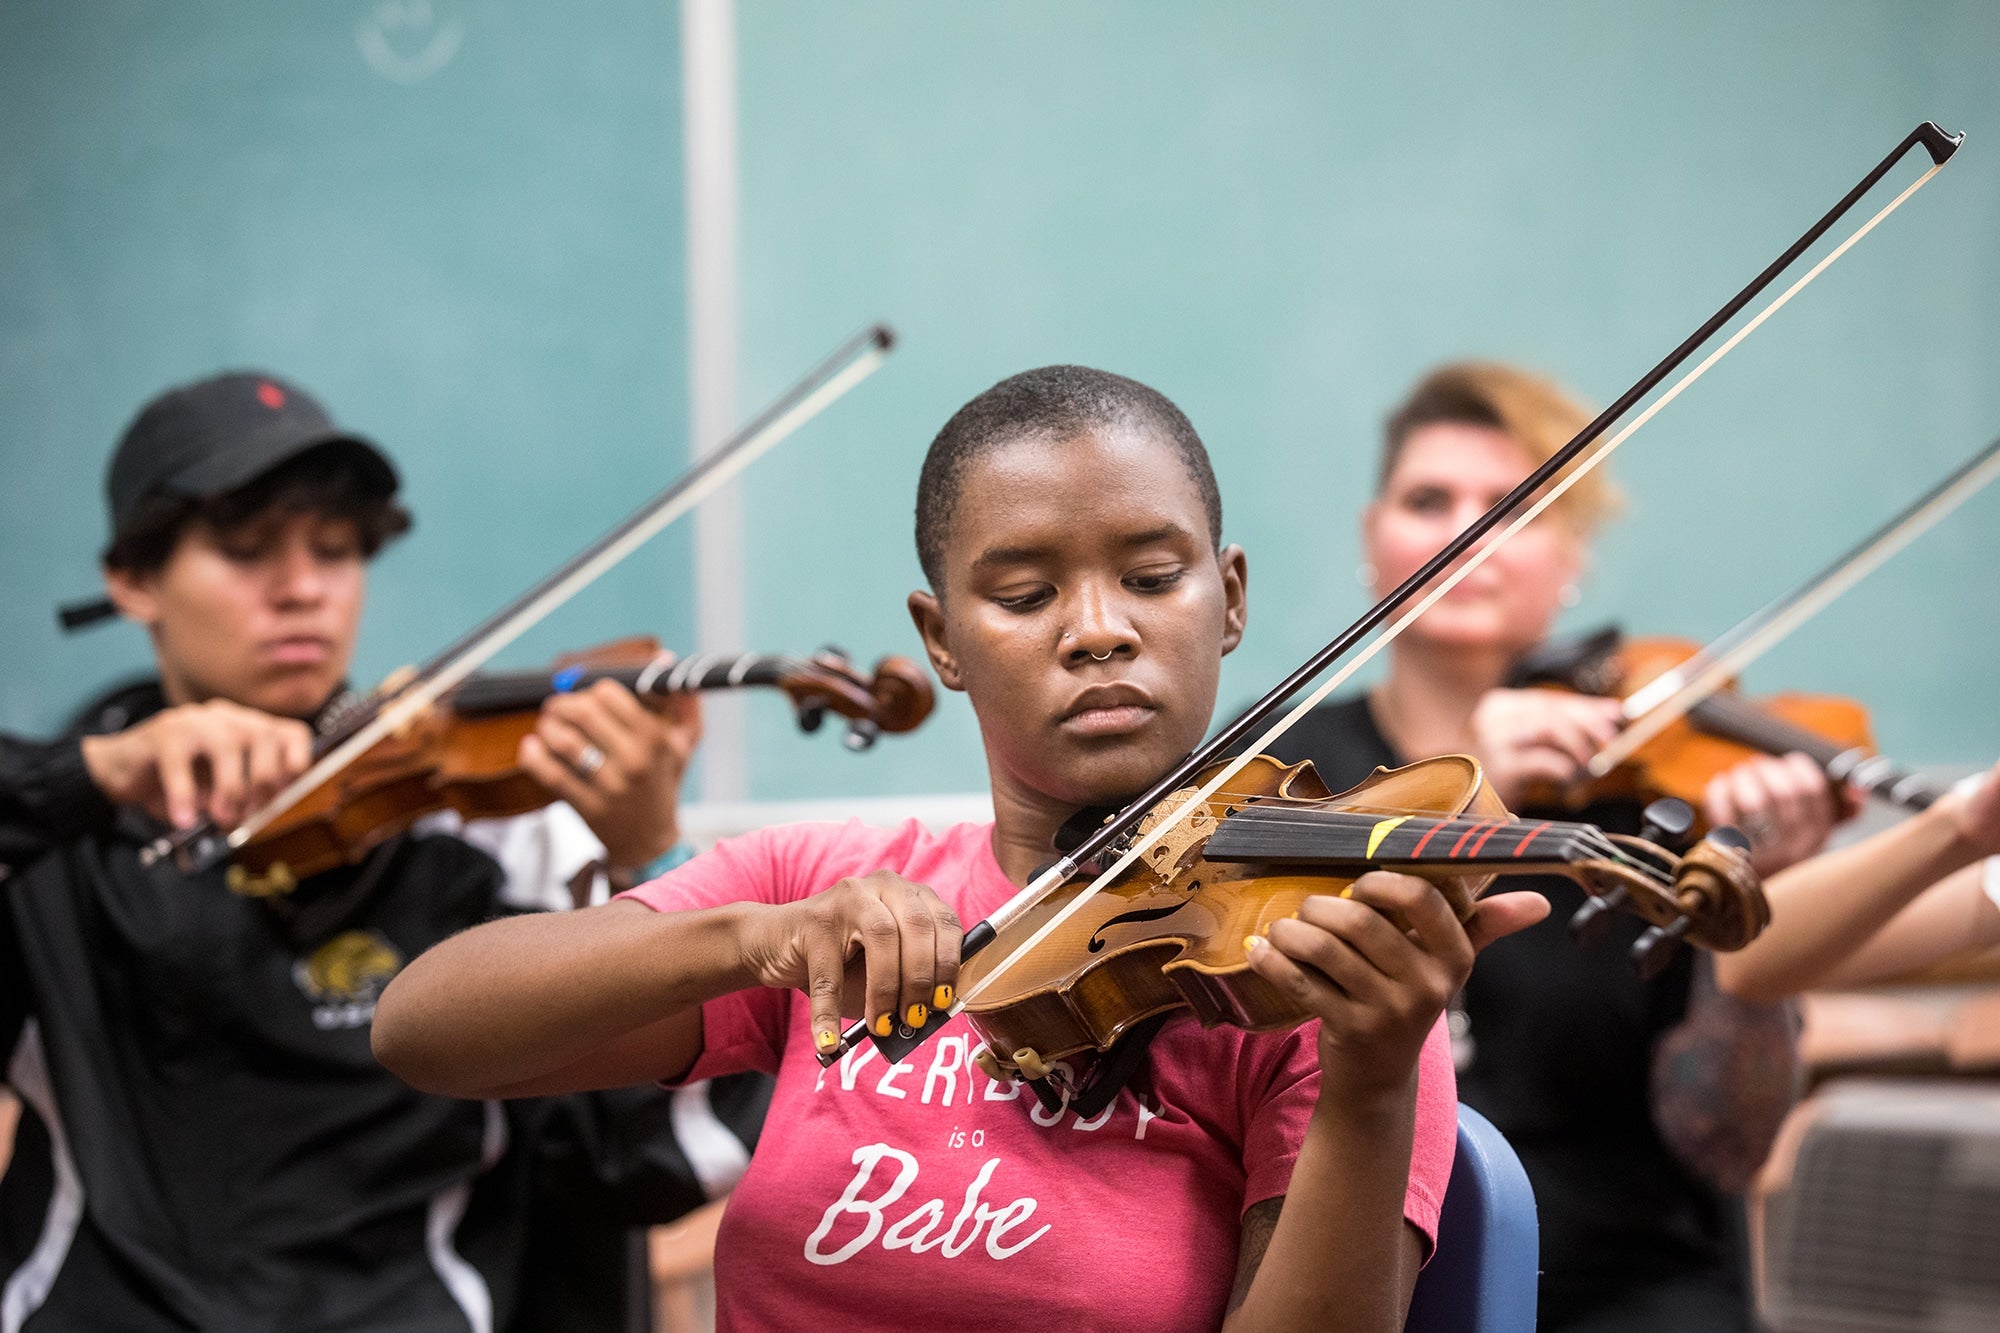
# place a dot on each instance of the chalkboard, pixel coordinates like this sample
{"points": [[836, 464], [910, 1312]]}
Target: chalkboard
{"points": [[459, 222], [1281, 214]]}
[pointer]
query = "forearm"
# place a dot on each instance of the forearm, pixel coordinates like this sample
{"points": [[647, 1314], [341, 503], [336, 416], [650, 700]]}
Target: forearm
{"points": [[1825, 908], [1723, 1081], [507, 1006], [1950, 919], [1341, 1256]]}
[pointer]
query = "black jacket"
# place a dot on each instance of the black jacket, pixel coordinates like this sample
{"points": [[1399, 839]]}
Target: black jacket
{"points": [[207, 1141]]}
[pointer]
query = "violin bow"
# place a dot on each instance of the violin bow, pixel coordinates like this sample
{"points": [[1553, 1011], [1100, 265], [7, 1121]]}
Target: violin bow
{"points": [[1581, 454], [1672, 694], [845, 367]]}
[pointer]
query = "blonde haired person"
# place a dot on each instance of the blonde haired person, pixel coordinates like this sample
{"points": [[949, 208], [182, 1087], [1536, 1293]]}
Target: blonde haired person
{"points": [[1638, 1107]]}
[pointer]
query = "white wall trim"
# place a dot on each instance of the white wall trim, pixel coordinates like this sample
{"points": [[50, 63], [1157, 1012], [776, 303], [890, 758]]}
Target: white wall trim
{"points": [[702, 822], [708, 119]]}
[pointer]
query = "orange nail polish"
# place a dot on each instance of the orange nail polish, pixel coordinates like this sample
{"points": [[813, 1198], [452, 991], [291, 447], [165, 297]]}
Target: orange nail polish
{"points": [[942, 997], [885, 1025], [917, 1016], [1250, 943], [826, 1038]]}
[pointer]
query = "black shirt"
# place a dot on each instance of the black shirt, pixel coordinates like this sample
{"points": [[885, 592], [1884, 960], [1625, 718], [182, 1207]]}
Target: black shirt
{"points": [[207, 1140], [1562, 1040]]}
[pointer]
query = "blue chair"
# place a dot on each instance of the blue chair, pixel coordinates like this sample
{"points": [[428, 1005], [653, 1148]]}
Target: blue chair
{"points": [[1482, 1278]]}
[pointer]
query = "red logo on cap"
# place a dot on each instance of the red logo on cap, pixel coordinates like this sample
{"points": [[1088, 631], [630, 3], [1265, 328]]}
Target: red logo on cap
{"points": [[270, 395]]}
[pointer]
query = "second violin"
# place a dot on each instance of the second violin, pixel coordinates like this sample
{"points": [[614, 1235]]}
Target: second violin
{"points": [[461, 753], [1685, 720], [1717, 733]]}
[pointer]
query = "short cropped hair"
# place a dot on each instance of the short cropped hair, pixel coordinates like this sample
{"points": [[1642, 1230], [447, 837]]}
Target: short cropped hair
{"points": [[1530, 409], [322, 480], [1053, 403]]}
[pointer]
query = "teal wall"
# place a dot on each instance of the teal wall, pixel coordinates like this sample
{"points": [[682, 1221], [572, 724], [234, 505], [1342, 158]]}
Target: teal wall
{"points": [[1280, 214], [478, 260]]}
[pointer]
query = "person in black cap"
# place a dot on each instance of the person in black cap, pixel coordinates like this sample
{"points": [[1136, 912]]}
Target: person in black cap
{"points": [[207, 1140]]}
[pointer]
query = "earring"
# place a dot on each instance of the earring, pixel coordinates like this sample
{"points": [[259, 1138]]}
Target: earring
{"points": [[1570, 594], [1364, 574]]}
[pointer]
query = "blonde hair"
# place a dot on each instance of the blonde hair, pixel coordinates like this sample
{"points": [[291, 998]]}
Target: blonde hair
{"points": [[1532, 410]]}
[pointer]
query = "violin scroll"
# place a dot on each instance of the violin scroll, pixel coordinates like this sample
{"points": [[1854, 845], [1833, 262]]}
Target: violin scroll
{"points": [[895, 699], [1720, 904]]}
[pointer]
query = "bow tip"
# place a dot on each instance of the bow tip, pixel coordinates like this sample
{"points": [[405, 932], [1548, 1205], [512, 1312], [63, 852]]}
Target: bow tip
{"points": [[1938, 142]]}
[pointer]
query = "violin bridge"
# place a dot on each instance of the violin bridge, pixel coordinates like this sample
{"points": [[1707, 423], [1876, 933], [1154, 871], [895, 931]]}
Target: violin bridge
{"points": [[1178, 851]]}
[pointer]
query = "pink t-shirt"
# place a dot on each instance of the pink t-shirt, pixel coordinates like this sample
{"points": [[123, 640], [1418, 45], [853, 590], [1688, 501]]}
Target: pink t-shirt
{"points": [[925, 1196]]}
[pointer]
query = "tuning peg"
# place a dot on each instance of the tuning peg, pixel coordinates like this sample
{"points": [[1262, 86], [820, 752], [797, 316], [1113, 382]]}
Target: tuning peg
{"points": [[1731, 836], [1591, 920], [811, 712], [1669, 822], [861, 734], [1652, 951]]}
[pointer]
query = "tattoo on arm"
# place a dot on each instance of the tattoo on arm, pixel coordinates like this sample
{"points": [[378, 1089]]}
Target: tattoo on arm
{"points": [[1258, 1224], [1723, 1081]]}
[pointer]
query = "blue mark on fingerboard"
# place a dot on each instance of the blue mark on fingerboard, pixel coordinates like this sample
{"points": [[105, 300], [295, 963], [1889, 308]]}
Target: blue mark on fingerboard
{"points": [[567, 679]]}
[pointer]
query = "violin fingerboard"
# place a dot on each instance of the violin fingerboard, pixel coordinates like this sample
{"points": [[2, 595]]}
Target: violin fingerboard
{"points": [[1348, 839]]}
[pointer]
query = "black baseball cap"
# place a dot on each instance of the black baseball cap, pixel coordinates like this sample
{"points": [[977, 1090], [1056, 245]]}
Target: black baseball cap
{"points": [[211, 437]]}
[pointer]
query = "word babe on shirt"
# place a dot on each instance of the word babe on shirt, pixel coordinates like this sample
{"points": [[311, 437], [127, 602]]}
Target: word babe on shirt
{"points": [[922, 1194]]}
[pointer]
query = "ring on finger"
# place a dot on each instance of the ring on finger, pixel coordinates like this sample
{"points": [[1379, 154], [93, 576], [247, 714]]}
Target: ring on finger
{"points": [[588, 760]]}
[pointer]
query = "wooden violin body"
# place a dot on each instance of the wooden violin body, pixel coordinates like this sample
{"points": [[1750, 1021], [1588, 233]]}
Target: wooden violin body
{"points": [[1170, 933], [462, 753], [1720, 732]]}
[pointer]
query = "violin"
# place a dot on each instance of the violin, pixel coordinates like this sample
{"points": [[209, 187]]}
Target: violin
{"points": [[1685, 720], [1714, 735], [1184, 829], [460, 753], [1169, 933]]}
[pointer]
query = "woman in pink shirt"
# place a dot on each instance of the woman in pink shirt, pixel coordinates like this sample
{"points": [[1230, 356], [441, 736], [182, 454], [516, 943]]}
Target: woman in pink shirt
{"points": [[1080, 595]]}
